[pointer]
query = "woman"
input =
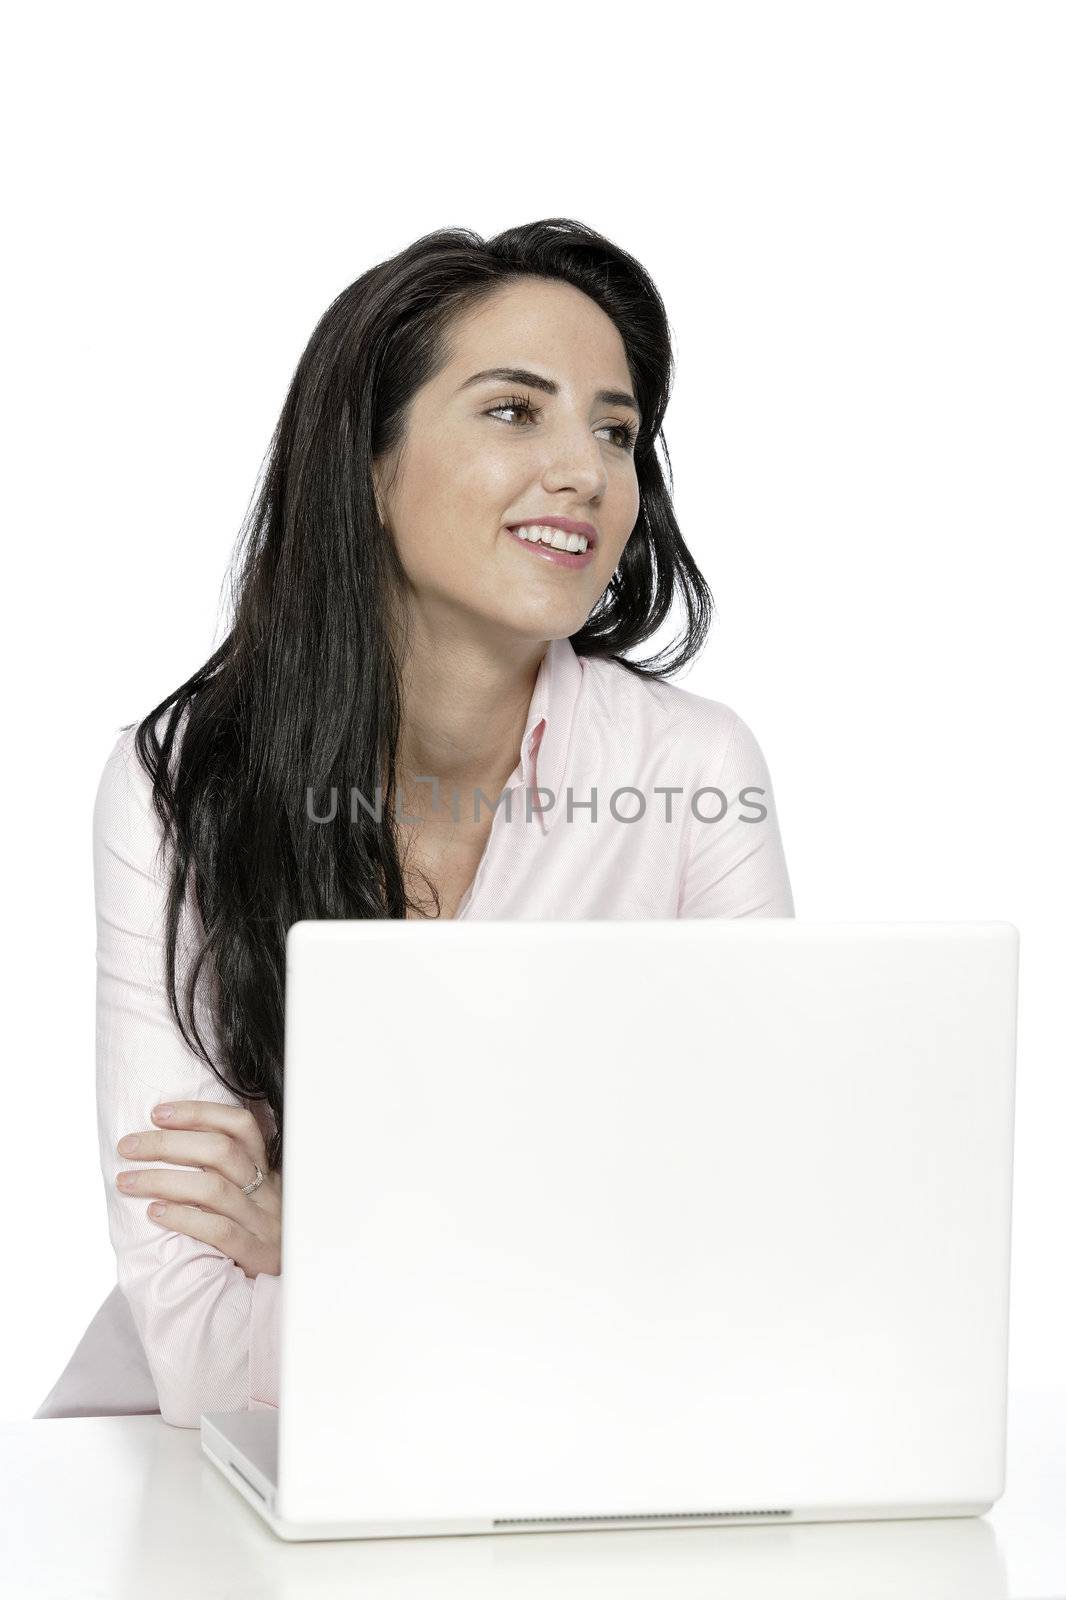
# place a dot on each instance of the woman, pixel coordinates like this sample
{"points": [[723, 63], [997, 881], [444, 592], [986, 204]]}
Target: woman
{"points": [[404, 632]]}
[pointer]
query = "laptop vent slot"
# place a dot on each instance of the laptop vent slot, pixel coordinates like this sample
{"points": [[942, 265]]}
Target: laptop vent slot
{"points": [[630, 1516]]}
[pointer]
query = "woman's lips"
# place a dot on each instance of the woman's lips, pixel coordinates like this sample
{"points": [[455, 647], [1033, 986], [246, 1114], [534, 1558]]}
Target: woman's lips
{"points": [[562, 558]]}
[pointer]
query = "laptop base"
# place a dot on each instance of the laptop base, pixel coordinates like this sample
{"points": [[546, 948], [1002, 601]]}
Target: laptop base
{"points": [[243, 1446]]}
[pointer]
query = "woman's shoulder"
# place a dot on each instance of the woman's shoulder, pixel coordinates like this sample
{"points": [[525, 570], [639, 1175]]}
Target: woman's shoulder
{"points": [[124, 801], [124, 753], [697, 723]]}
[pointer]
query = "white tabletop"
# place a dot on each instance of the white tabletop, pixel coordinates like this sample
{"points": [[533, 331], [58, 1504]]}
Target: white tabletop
{"points": [[117, 1506]]}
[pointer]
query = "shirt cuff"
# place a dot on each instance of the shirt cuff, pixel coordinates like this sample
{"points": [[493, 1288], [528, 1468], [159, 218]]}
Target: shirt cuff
{"points": [[263, 1342]]}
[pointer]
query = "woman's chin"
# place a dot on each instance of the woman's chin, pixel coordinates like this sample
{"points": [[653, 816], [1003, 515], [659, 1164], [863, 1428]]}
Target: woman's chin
{"points": [[548, 620]]}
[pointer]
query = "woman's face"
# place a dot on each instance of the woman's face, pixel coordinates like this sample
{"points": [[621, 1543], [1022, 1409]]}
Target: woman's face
{"points": [[473, 464]]}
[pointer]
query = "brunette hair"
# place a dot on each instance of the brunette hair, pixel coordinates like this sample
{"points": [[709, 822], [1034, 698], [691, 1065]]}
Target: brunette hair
{"points": [[304, 692]]}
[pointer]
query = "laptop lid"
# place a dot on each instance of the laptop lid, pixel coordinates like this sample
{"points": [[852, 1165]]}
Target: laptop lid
{"points": [[609, 1219]]}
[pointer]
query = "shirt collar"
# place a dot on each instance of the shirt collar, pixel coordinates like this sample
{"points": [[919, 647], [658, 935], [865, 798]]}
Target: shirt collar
{"points": [[549, 725]]}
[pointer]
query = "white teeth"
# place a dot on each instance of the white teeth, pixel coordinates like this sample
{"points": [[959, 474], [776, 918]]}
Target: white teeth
{"points": [[539, 534]]}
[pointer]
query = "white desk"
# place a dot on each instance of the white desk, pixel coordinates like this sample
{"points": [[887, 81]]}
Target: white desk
{"points": [[127, 1506]]}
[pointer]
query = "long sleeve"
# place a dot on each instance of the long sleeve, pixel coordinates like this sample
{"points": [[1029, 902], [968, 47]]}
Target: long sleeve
{"points": [[736, 867], [210, 1333]]}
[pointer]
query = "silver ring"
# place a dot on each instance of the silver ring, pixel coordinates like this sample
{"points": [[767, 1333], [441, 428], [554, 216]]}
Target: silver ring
{"points": [[250, 1188]]}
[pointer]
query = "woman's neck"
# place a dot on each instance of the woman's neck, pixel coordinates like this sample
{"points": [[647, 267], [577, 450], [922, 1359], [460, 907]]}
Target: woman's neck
{"points": [[466, 702]]}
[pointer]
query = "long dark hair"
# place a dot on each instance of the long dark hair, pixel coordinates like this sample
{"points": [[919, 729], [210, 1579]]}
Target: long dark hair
{"points": [[304, 693]]}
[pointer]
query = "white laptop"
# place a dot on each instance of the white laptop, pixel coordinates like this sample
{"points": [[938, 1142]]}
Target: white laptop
{"points": [[603, 1224]]}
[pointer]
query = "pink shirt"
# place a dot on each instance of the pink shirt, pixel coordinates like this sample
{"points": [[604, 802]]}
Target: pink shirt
{"points": [[596, 737]]}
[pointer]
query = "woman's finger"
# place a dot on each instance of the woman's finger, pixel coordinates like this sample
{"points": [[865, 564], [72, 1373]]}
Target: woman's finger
{"points": [[219, 1146], [209, 1190], [222, 1233], [193, 1149], [236, 1121]]}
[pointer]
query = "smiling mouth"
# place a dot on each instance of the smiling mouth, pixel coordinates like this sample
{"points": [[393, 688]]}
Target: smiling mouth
{"points": [[549, 551]]}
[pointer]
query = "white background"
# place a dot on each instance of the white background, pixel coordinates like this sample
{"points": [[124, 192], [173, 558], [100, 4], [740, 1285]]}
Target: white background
{"points": [[855, 216]]}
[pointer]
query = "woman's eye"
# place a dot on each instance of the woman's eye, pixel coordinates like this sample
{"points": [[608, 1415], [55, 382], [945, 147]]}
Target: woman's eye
{"points": [[628, 433], [625, 433], [521, 406]]}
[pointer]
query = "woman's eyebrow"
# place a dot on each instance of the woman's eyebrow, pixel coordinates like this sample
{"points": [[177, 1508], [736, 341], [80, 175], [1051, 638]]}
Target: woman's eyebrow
{"points": [[533, 380]]}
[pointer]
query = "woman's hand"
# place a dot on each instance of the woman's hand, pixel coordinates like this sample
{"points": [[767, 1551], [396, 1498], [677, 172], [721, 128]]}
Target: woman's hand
{"points": [[226, 1143]]}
